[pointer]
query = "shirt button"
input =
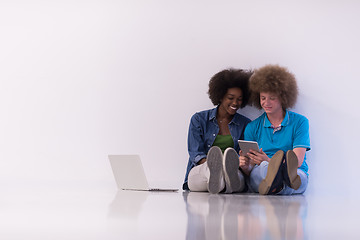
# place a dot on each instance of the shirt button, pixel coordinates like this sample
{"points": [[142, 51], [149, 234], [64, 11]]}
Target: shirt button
{"points": [[208, 145], [214, 134]]}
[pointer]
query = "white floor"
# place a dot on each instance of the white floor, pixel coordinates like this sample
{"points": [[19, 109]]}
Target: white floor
{"points": [[75, 213]]}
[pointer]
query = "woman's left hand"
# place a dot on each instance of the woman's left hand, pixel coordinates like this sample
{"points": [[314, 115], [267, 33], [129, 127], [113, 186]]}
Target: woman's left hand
{"points": [[258, 157]]}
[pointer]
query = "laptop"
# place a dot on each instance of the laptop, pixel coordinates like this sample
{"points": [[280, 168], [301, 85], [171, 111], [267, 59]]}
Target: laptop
{"points": [[129, 173]]}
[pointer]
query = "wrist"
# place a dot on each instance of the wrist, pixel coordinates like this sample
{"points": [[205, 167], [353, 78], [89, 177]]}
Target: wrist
{"points": [[246, 170], [201, 161]]}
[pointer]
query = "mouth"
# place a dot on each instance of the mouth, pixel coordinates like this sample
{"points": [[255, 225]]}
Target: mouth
{"points": [[267, 108], [234, 108]]}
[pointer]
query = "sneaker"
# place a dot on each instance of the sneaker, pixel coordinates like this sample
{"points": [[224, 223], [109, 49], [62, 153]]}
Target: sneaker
{"points": [[214, 161], [231, 169], [273, 181], [291, 178]]}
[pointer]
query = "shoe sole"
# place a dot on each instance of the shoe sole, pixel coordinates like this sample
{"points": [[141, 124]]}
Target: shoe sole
{"points": [[292, 166], [214, 162], [273, 168], [231, 166]]}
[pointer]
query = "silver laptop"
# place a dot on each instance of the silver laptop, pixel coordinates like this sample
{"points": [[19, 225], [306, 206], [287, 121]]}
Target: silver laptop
{"points": [[129, 173]]}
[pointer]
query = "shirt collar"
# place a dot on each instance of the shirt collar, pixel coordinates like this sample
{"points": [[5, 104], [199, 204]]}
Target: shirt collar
{"points": [[212, 114], [284, 123], [236, 119]]}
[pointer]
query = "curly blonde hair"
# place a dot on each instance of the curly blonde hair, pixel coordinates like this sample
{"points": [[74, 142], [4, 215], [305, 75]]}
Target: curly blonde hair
{"points": [[274, 79]]}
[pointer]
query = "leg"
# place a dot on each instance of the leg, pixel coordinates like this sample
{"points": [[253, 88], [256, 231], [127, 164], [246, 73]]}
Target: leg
{"points": [[304, 182], [209, 175], [257, 175], [198, 178], [242, 181], [273, 181], [295, 179]]}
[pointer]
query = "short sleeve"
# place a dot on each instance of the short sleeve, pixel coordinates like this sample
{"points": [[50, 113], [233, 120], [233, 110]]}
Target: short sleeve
{"points": [[301, 134], [249, 133]]}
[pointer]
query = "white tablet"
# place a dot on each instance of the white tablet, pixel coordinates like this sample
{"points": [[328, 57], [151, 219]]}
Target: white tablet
{"points": [[245, 146]]}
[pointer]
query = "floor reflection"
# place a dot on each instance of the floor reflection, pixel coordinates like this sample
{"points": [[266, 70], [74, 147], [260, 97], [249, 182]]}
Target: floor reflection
{"points": [[247, 216], [127, 204], [123, 212]]}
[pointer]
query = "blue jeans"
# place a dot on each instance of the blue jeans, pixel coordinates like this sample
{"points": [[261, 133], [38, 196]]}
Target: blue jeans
{"points": [[259, 173]]}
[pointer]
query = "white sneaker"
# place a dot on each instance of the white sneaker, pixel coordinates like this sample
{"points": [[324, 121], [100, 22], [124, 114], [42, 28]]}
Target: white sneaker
{"points": [[215, 164], [231, 171]]}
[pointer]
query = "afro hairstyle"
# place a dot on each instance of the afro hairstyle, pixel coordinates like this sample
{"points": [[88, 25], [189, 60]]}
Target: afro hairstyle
{"points": [[229, 78], [274, 79]]}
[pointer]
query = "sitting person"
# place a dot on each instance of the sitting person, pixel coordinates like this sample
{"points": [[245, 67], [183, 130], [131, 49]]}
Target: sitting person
{"points": [[215, 132], [279, 167]]}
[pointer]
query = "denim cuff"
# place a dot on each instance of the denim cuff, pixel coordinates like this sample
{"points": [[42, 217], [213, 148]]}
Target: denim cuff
{"points": [[199, 157]]}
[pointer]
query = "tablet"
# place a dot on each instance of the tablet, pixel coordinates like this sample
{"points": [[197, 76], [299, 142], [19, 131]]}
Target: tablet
{"points": [[245, 146]]}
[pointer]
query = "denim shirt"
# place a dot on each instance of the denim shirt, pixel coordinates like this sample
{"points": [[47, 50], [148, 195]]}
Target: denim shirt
{"points": [[203, 130]]}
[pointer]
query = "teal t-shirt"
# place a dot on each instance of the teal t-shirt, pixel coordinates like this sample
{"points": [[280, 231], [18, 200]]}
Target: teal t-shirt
{"points": [[224, 142], [294, 133]]}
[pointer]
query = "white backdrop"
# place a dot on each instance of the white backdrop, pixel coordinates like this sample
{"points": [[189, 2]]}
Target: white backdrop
{"points": [[84, 79]]}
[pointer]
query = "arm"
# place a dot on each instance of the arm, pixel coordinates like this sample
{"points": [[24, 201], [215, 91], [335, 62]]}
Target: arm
{"points": [[301, 142], [300, 153], [245, 164], [196, 141]]}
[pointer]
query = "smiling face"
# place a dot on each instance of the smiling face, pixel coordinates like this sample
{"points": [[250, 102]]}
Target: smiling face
{"points": [[271, 103], [232, 100]]}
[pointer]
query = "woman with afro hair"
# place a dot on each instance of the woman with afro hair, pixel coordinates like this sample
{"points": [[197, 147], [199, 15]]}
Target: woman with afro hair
{"points": [[279, 167], [213, 136]]}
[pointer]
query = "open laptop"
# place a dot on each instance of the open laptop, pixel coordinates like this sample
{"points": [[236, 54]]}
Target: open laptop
{"points": [[129, 173]]}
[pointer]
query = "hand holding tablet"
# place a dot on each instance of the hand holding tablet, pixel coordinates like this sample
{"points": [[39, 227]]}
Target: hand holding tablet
{"points": [[245, 146]]}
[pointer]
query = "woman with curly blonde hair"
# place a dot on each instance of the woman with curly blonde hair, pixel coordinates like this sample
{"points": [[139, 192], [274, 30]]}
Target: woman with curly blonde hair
{"points": [[279, 167]]}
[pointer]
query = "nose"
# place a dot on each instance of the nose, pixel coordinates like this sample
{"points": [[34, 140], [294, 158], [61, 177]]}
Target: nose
{"points": [[265, 101], [236, 103]]}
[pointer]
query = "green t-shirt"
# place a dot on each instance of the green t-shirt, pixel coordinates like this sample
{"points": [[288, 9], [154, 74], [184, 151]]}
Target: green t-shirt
{"points": [[223, 142]]}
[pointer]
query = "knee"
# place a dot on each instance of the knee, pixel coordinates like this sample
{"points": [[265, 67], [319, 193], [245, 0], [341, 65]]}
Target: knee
{"points": [[197, 180]]}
